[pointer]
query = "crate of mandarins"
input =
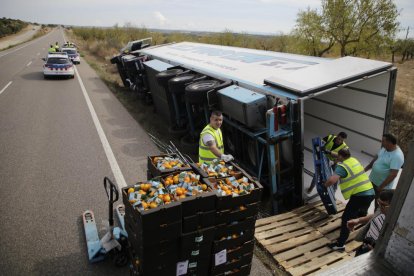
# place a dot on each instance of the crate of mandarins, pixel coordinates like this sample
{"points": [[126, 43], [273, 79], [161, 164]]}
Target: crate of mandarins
{"points": [[217, 169], [166, 164], [194, 195], [235, 191], [150, 211]]}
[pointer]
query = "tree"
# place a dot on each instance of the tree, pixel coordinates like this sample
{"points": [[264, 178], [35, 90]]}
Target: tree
{"points": [[349, 23], [310, 29]]}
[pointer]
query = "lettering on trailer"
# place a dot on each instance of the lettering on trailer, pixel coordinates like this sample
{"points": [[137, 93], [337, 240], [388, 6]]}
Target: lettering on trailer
{"points": [[271, 61]]}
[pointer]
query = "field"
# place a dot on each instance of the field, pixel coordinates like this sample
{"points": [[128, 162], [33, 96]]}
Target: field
{"points": [[97, 52]]}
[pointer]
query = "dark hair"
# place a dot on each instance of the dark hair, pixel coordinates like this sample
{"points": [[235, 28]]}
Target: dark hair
{"points": [[345, 153], [342, 134], [216, 113], [390, 138], [386, 195]]}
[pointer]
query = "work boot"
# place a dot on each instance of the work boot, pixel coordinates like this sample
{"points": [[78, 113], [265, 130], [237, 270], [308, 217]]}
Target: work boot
{"points": [[337, 247]]}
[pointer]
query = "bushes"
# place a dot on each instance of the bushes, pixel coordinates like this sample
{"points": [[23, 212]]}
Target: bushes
{"points": [[10, 26]]}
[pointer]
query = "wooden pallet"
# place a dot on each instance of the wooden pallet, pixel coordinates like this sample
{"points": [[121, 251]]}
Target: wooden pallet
{"points": [[298, 240]]}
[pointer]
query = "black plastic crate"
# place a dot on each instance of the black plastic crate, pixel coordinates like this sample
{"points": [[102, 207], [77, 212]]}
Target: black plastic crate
{"points": [[198, 221], [231, 264], [138, 266], [154, 171], [163, 214], [156, 254], [230, 201], [239, 271], [225, 230], [240, 212], [162, 222], [237, 170], [154, 234], [203, 202], [219, 245], [237, 252], [192, 205], [197, 244]]}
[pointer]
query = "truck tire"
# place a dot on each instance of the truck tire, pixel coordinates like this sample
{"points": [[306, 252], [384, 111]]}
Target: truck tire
{"points": [[196, 93], [164, 76], [189, 144], [177, 84], [176, 132]]}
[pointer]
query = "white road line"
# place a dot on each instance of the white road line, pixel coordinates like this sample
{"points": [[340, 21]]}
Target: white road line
{"points": [[29, 64], [7, 85], [119, 177]]}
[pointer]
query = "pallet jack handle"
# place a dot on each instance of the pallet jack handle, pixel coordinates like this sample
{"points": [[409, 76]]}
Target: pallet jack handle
{"points": [[111, 190]]}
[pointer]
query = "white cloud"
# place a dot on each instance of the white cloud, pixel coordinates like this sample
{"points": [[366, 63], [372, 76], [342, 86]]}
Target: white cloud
{"points": [[160, 18]]}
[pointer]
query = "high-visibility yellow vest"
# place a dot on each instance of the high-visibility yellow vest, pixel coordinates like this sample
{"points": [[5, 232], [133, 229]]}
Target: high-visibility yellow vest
{"points": [[356, 181], [204, 153], [329, 144], [52, 50]]}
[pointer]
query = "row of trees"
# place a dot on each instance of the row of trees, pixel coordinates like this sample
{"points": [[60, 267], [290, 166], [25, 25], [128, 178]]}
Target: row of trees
{"points": [[339, 27], [10, 26]]}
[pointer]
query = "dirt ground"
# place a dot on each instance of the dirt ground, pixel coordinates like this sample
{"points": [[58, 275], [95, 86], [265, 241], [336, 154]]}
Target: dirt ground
{"points": [[402, 122]]}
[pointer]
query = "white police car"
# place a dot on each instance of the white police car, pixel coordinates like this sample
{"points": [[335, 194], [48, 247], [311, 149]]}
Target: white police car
{"points": [[58, 64], [73, 54]]}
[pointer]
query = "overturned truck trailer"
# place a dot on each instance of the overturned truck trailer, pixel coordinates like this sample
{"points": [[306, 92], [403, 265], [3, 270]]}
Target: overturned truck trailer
{"points": [[273, 105]]}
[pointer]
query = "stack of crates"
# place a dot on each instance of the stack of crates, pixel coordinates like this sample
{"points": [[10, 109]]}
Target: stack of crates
{"points": [[153, 237], [233, 244], [204, 234], [172, 239]]}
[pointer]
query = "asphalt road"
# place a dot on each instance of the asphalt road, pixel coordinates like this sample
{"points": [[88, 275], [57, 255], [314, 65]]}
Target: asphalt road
{"points": [[52, 162], [53, 157]]}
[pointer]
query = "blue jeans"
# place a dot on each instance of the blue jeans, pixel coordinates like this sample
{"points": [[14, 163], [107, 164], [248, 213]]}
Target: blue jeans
{"points": [[357, 207]]}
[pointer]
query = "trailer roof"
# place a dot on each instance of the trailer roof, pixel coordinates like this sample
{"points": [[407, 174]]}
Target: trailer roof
{"points": [[269, 72]]}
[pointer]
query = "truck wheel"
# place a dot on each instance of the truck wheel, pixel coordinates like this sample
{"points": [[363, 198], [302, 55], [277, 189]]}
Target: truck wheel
{"points": [[164, 76], [189, 144], [176, 132], [196, 93], [177, 84]]}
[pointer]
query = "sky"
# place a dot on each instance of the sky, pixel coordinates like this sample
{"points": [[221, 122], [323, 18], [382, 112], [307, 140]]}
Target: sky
{"points": [[251, 16]]}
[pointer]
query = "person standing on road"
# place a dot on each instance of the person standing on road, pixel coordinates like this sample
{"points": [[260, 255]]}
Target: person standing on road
{"points": [[355, 186], [372, 230], [57, 47], [332, 145], [51, 49], [385, 165], [211, 144]]}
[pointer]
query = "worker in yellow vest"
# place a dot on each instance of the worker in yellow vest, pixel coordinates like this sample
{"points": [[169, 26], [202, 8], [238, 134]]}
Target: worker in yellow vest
{"points": [[355, 186], [51, 49], [57, 48], [211, 144], [333, 144]]}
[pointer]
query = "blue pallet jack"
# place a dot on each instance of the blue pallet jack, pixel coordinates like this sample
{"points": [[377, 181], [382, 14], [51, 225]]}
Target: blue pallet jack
{"points": [[115, 242], [322, 172]]}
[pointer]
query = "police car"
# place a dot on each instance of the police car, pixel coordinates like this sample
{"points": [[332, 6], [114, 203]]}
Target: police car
{"points": [[73, 54], [58, 64]]}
